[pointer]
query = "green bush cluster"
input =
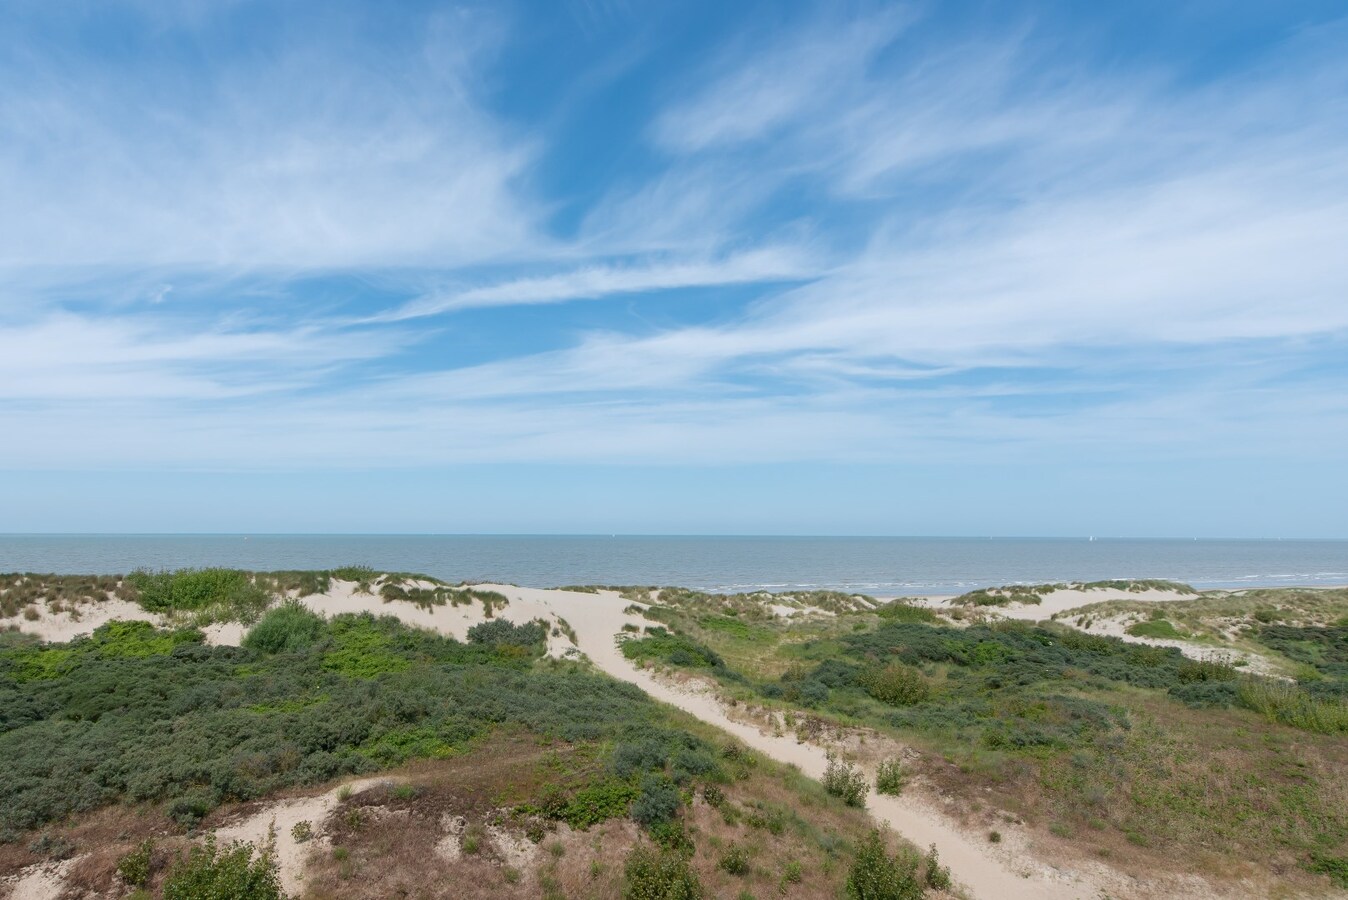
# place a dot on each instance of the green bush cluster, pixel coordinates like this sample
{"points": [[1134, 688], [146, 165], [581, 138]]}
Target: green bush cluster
{"points": [[209, 872], [845, 781], [895, 684], [288, 628], [889, 777], [876, 875], [654, 874], [83, 724], [187, 590]]}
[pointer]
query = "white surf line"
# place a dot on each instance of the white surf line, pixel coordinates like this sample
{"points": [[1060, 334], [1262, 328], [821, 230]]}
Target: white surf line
{"points": [[598, 618]]}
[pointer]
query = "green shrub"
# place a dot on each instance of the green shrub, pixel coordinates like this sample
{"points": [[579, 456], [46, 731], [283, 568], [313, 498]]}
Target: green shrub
{"points": [[904, 611], [230, 590], [302, 831], [895, 684], [657, 801], [210, 873], [875, 875], [135, 867], [659, 875], [1292, 705], [843, 780], [793, 874], [289, 628], [734, 861], [889, 777], [597, 803], [1156, 628], [1336, 867], [499, 633], [936, 875]]}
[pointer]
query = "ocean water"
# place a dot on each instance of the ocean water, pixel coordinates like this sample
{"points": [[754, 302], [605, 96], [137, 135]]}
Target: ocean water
{"points": [[874, 565]]}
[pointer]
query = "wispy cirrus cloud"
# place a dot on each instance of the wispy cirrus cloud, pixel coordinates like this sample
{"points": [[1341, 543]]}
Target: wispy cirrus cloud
{"points": [[975, 246], [765, 265]]}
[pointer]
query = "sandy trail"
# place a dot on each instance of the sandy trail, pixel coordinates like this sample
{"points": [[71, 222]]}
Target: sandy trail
{"points": [[598, 618]]}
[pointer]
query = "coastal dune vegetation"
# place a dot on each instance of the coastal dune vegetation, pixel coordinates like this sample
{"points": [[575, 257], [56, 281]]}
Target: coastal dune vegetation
{"points": [[1151, 756], [505, 771]]}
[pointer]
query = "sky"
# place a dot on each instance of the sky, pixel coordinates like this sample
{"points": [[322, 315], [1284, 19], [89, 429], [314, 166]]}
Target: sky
{"points": [[670, 266]]}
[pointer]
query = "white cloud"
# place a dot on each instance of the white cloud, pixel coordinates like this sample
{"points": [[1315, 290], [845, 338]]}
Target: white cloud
{"points": [[315, 151], [593, 282]]}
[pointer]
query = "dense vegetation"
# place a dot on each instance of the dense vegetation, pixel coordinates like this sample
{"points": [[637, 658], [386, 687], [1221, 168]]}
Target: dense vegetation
{"points": [[1095, 736], [136, 713]]}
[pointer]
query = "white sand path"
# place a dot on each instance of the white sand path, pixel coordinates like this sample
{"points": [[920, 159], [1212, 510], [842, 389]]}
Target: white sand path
{"points": [[598, 618]]}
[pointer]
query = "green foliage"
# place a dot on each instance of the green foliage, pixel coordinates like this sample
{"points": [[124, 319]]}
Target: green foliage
{"points": [[499, 632], [368, 692], [1323, 648], [652, 874], [1336, 867], [875, 875], [904, 611], [734, 860], [1003, 596], [895, 684], [845, 781], [199, 589], [230, 873], [1156, 628], [599, 802], [657, 801], [889, 777], [936, 875], [675, 649], [289, 628], [136, 867], [1293, 705]]}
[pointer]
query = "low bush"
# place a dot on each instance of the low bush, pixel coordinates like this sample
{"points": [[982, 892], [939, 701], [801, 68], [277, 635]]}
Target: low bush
{"points": [[136, 867], [895, 684], [199, 589], [875, 875], [889, 777], [289, 628], [1156, 628], [230, 873], [734, 861], [845, 781], [657, 801], [499, 633], [652, 874]]}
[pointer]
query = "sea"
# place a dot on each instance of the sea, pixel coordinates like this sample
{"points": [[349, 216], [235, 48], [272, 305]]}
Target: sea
{"points": [[880, 566]]}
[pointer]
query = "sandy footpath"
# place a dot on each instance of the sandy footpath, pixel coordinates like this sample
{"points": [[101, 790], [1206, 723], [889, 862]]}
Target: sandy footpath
{"points": [[597, 620]]}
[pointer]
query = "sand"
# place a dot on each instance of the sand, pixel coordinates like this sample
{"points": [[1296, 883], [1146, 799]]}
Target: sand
{"points": [[597, 619]]}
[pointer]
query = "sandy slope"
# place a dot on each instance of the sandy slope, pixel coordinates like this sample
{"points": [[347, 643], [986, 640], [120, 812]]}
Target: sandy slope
{"points": [[1061, 601], [283, 816]]}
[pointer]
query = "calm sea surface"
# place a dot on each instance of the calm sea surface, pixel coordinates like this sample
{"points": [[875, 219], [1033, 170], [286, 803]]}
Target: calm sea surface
{"points": [[883, 566]]}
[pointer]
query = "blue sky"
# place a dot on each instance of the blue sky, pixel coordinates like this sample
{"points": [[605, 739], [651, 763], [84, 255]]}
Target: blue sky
{"points": [[674, 267]]}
